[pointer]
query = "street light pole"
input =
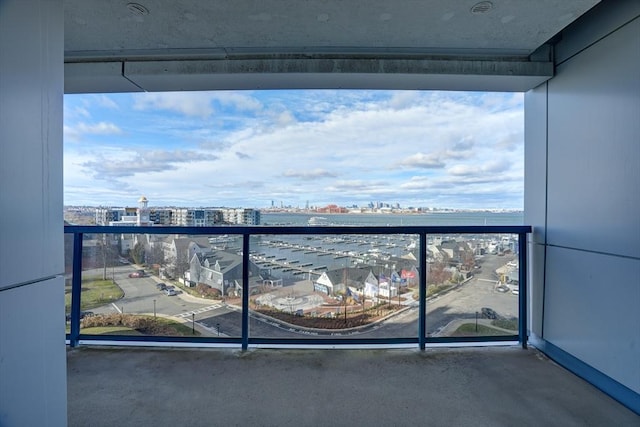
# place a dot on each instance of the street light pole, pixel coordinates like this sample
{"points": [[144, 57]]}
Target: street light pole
{"points": [[193, 323], [476, 321], [154, 309]]}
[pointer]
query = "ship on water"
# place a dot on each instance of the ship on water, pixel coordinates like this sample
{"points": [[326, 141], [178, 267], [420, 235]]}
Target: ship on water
{"points": [[317, 220]]}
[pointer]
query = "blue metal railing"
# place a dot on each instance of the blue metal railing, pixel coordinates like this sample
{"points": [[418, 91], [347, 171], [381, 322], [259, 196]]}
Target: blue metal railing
{"points": [[78, 232]]}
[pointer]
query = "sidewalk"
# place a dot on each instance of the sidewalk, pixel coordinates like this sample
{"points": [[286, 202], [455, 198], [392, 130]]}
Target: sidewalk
{"points": [[452, 326]]}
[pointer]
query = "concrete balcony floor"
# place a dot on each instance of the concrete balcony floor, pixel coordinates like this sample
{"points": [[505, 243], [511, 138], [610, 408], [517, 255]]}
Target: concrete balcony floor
{"points": [[490, 386]]}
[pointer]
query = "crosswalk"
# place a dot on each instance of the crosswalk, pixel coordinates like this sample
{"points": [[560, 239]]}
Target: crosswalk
{"points": [[198, 311]]}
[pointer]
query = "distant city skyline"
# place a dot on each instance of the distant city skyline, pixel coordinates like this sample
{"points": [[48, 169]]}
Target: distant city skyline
{"points": [[248, 148]]}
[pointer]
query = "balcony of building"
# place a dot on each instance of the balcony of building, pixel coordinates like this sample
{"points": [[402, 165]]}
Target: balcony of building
{"points": [[577, 63], [284, 373], [490, 386]]}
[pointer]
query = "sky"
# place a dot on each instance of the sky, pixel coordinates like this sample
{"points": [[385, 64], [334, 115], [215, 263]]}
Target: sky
{"points": [[250, 149]]}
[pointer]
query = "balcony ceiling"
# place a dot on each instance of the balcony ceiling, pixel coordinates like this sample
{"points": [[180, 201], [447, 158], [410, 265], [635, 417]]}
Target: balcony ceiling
{"points": [[222, 44]]}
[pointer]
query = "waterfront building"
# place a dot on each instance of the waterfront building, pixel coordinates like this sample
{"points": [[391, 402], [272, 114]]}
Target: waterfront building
{"points": [[241, 216], [184, 217]]}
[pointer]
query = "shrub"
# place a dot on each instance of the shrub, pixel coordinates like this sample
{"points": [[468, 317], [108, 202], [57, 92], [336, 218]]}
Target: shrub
{"points": [[144, 324], [207, 291]]}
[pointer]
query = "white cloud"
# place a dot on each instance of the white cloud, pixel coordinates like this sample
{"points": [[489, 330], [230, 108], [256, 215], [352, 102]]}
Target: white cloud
{"points": [[309, 174], [341, 147], [106, 102], [81, 129], [421, 160], [195, 104], [185, 103], [127, 163]]}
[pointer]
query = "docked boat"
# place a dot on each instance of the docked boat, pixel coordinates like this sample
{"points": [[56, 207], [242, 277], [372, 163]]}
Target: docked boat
{"points": [[317, 220]]}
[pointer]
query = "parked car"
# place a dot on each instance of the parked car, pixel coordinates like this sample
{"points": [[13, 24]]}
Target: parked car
{"points": [[170, 292], [489, 313], [161, 286]]}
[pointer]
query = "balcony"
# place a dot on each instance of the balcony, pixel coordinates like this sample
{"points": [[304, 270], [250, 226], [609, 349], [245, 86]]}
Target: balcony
{"points": [[324, 286], [490, 386], [425, 351]]}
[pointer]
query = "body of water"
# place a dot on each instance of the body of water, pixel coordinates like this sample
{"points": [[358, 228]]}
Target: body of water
{"points": [[438, 218]]}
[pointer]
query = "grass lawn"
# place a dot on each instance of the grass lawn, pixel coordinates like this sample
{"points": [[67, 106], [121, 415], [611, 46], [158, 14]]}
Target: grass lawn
{"points": [[469, 330], [95, 292], [109, 330], [434, 289], [511, 324], [182, 329]]}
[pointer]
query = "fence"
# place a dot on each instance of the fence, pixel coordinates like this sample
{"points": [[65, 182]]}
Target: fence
{"points": [[273, 327]]}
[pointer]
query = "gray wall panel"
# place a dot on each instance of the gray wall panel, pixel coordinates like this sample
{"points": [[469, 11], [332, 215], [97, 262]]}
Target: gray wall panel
{"points": [[590, 275], [32, 348], [535, 162], [594, 148], [591, 303], [31, 90], [33, 376], [594, 25]]}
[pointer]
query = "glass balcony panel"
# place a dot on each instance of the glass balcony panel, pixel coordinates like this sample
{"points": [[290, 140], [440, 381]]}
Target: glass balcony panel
{"points": [[334, 286], [301, 286], [160, 285], [68, 277], [472, 286]]}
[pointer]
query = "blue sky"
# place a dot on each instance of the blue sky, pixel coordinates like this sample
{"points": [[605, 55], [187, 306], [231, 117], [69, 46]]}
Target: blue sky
{"points": [[248, 148]]}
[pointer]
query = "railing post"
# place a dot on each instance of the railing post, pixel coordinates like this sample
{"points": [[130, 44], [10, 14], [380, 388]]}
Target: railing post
{"points": [[522, 292], [422, 292], [76, 289], [245, 291]]}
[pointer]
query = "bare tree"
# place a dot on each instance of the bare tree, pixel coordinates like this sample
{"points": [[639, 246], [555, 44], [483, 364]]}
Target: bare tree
{"points": [[179, 264], [154, 254], [108, 253]]}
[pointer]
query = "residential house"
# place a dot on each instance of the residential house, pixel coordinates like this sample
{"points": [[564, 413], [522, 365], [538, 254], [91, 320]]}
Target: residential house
{"points": [[221, 270], [178, 251], [333, 282]]}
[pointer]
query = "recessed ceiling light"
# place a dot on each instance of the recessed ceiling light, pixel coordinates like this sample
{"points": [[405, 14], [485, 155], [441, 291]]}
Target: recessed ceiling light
{"points": [[137, 9], [482, 7]]}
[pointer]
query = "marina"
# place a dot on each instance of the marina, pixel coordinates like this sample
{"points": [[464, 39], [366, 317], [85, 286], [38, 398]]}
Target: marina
{"points": [[295, 256]]}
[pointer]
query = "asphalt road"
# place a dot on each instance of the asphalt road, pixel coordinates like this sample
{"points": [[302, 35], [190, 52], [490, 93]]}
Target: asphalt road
{"points": [[460, 303], [141, 295]]}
